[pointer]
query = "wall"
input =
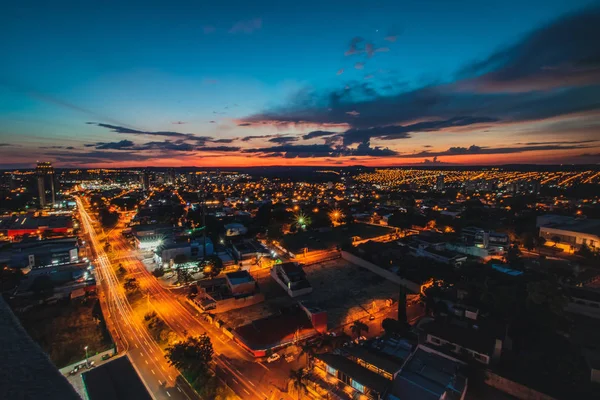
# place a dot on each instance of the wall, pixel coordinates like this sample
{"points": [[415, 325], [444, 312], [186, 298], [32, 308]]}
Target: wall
{"points": [[390, 276], [513, 388]]}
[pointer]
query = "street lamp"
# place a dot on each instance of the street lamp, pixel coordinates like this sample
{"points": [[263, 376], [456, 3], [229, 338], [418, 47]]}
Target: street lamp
{"points": [[87, 363]]}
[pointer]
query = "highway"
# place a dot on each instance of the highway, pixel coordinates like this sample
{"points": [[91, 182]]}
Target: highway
{"points": [[162, 380], [257, 380]]}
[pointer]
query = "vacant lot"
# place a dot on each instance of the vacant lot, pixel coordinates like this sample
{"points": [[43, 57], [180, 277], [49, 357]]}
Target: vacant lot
{"points": [[64, 329], [329, 239], [344, 290]]}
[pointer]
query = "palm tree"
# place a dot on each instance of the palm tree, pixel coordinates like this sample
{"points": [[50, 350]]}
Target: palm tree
{"points": [[358, 327], [297, 377], [308, 351]]}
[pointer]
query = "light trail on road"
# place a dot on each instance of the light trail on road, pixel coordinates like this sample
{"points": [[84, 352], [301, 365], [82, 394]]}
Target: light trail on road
{"points": [[147, 357]]}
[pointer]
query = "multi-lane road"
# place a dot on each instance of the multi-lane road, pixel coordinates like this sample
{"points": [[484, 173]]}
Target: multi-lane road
{"points": [[247, 377], [162, 380]]}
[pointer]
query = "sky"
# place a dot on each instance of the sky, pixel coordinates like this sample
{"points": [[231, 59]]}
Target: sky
{"points": [[239, 83]]}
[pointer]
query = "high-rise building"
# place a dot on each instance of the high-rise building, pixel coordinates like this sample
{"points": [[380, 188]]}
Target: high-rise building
{"points": [[45, 173], [145, 180], [439, 183]]}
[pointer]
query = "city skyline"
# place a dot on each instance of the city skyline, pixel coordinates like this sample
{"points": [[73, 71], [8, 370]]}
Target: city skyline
{"points": [[385, 84]]}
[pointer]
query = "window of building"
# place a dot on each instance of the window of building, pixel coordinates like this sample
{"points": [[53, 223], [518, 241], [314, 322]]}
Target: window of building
{"points": [[358, 386], [331, 371]]}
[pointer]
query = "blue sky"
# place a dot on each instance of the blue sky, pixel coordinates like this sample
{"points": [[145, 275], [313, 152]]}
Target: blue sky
{"points": [[204, 69]]}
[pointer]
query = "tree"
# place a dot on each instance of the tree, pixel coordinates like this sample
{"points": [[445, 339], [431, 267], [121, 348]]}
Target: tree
{"points": [[131, 285], [358, 327], [158, 272], [306, 350], [192, 355], [211, 266], [297, 377], [184, 276]]}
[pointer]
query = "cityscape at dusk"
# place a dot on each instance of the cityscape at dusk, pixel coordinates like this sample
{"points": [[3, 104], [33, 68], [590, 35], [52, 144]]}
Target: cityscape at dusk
{"points": [[274, 200]]}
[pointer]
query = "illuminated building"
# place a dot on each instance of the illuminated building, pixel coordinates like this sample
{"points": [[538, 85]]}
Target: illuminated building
{"points": [[45, 172]]}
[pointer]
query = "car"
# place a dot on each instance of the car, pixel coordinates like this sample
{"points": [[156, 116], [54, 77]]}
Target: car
{"points": [[273, 357]]}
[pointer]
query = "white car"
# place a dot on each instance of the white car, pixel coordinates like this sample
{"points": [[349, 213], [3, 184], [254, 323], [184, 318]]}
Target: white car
{"points": [[273, 357]]}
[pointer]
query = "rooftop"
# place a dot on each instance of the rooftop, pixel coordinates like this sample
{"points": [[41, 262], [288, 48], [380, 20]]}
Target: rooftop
{"points": [[471, 336], [360, 374], [239, 277], [26, 372], [268, 332], [115, 380], [427, 376]]}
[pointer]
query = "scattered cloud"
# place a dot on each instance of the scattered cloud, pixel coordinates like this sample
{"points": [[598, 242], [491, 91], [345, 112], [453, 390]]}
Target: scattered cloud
{"points": [[560, 54], [208, 29], [124, 130], [391, 38], [247, 27], [315, 134], [370, 49], [353, 49], [248, 138], [477, 150], [322, 150], [558, 58], [359, 65], [220, 148], [121, 145], [179, 122], [210, 81], [284, 139], [340, 71]]}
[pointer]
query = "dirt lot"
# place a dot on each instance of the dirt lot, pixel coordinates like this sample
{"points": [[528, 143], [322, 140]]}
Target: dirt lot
{"points": [[346, 291]]}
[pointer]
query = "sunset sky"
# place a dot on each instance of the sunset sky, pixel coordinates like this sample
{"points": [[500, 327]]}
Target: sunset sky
{"points": [[244, 83]]}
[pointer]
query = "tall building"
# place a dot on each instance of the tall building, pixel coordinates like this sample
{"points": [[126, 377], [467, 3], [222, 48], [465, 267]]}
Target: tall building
{"points": [[439, 183], [145, 180], [45, 174]]}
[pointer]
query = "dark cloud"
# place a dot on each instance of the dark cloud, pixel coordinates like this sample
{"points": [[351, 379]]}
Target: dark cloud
{"points": [[167, 145], [223, 141], [220, 148], [558, 55], [364, 149], [559, 142], [394, 132], [283, 139], [44, 147], [179, 122], [97, 156], [124, 130], [70, 148], [314, 134], [248, 138], [245, 124], [120, 145], [537, 61], [321, 150], [474, 150]]}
